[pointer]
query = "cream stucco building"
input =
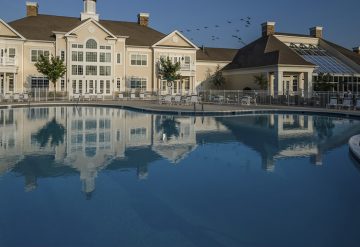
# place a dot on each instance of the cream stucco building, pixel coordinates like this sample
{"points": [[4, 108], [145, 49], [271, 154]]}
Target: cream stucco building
{"points": [[102, 56]]}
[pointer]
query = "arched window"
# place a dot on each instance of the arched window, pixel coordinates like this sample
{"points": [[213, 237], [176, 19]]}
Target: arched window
{"points": [[91, 44]]}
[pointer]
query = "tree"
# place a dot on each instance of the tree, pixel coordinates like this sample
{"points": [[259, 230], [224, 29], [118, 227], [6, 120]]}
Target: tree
{"points": [[261, 81], [168, 70], [53, 68], [322, 82], [169, 126], [217, 79]]}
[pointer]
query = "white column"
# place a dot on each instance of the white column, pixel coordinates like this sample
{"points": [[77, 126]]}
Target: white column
{"points": [[308, 84], [301, 84], [278, 83]]}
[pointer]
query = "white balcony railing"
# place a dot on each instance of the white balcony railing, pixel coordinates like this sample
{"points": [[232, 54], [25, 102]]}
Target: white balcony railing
{"points": [[7, 61]]}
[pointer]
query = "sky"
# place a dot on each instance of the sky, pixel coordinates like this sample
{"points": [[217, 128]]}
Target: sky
{"points": [[340, 19]]}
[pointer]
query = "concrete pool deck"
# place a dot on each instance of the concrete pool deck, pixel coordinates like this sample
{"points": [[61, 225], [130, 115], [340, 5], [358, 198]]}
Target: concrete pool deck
{"points": [[189, 110]]}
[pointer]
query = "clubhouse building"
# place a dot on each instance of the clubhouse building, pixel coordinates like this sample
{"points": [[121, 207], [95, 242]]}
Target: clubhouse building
{"points": [[107, 57]]}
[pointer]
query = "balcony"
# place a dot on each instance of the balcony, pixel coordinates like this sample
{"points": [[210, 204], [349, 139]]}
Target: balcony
{"points": [[8, 61]]}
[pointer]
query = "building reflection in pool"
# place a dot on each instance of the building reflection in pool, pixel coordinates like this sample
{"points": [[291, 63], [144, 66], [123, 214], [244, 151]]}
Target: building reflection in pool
{"points": [[51, 142]]}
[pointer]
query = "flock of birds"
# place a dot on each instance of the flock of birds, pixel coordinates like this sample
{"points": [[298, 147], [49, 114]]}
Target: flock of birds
{"points": [[246, 22]]}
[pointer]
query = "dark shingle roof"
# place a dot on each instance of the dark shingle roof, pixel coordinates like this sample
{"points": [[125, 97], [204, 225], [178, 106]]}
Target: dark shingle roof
{"points": [[41, 27], [266, 51], [216, 54], [348, 53]]}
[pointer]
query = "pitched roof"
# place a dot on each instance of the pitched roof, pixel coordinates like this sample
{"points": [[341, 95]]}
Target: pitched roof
{"points": [[41, 27], [346, 52], [266, 51], [216, 54]]}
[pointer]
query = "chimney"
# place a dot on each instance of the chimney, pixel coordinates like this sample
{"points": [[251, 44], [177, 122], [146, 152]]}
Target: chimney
{"points": [[143, 19], [268, 28], [357, 50], [32, 9], [316, 32]]}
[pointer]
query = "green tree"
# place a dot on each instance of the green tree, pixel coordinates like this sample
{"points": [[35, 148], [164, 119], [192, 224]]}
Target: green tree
{"points": [[322, 82], [169, 126], [217, 79], [261, 81], [53, 68], [168, 70]]}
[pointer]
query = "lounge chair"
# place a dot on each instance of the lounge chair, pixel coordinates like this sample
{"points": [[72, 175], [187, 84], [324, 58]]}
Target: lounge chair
{"points": [[121, 96], [17, 97], [142, 96], [86, 97], [177, 99], [7, 97], [194, 99], [246, 100], [76, 97], [333, 103], [357, 104], [347, 103], [132, 96], [99, 97], [25, 97], [168, 99]]}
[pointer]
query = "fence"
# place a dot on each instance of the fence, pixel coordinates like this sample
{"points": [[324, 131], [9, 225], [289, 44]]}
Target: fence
{"points": [[317, 99]]}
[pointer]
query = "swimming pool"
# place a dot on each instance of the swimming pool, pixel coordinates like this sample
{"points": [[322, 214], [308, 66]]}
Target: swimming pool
{"points": [[85, 176]]}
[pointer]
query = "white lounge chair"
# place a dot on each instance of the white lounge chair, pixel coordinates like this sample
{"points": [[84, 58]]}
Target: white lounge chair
{"points": [[142, 96], [333, 103], [168, 99], [132, 96], [16, 97], [76, 97], [347, 103], [121, 96], [177, 99], [7, 97], [86, 97], [246, 100], [25, 97], [194, 99], [99, 97]]}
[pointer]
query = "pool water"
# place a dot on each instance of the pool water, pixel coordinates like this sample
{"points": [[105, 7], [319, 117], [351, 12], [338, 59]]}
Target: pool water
{"points": [[82, 176]]}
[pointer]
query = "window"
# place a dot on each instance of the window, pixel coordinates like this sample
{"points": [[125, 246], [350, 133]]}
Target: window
{"points": [[91, 57], [91, 44], [295, 85], [11, 82], [77, 56], [101, 86], [187, 85], [118, 58], [62, 55], [107, 86], [39, 82], [80, 86], [138, 83], [91, 70], [105, 70], [163, 85], [138, 134], [105, 57], [62, 85], [187, 60], [12, 52], [103, 47], [138, 59], [77, 70], [118, 83], [74, 86], [35, 55]]}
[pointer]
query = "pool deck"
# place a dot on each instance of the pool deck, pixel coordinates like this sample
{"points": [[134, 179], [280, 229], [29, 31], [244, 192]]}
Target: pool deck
{"points": [[200, 109]]}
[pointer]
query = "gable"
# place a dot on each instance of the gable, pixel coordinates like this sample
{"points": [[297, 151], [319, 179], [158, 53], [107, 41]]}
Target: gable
{"points": [[6, 31], [90, 29], [175, 40]]}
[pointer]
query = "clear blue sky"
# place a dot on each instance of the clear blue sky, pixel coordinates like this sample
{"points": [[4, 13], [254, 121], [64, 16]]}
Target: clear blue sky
{"points": [[340, 19]]}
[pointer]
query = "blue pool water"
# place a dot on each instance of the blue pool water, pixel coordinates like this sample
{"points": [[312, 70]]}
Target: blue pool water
{"points": [[110, 177]]}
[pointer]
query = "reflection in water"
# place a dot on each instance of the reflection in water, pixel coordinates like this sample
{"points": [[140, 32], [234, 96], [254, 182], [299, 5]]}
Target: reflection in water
{"points": [[50, 142]]}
